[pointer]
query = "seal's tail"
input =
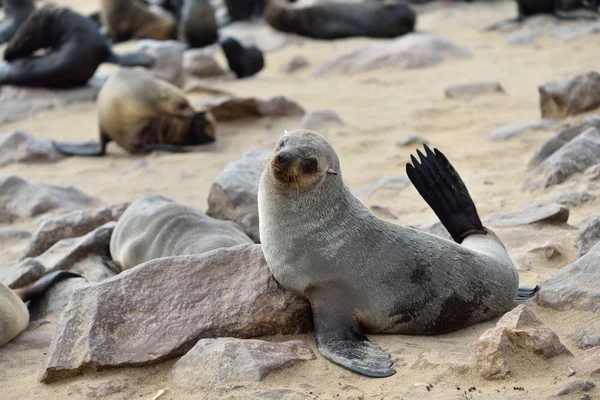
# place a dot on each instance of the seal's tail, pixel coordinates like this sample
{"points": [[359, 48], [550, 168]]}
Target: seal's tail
{"points": [[441, 187], [526, 293]]}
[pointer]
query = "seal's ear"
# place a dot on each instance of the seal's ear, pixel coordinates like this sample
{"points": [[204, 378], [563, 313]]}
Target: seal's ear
{"points": [[330, 171], [285, 132]]}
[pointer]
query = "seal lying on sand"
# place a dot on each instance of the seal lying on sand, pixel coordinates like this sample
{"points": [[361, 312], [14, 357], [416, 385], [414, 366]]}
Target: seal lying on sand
{"points": [[342, 20], [364, 274], [132, 19], [240, 10], [197, 23], [74, 46], [243, 61], [154, 227], [561, 9], [14, 315], [142, 114], [15, 13]]}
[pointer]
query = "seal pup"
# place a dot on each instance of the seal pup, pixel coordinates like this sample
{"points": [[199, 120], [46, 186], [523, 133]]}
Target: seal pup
{"points": [[240, 10], [364, 274], [561, 9], [141, 114], [132, 19], [243, 61], [15, 13], [197, 24], [14, 315], [342, 20], [154, 226], [74, 50]]}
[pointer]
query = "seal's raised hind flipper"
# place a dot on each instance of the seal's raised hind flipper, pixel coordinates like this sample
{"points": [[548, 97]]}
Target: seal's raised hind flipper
{"points": [[527, 293], [441, 187], [85, 149], [340, 339]]}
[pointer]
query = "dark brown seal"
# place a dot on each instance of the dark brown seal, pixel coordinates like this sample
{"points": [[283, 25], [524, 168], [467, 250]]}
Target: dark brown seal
{"points": [[132, 19], [15, 13]]}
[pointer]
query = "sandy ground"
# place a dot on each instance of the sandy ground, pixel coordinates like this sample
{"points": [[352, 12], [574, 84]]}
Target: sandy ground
{"points": [[379, 107]]}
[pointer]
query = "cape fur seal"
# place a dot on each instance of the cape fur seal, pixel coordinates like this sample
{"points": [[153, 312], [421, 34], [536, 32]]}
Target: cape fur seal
{"points": [[243, 61], [14, 315], [197, 23], [240, 10], [132, 19], [342, 20], [364, 274], [74, 50], [15, 13], [561, 9], [142, 114], [154, 227]]}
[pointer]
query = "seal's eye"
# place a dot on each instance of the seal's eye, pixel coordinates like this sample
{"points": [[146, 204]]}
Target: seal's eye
{"points": [[280, 144], [311, 164]]}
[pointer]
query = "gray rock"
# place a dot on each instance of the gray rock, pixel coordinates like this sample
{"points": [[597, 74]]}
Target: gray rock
{"points": [[225, 292], [548, 250], [22, 274], [593, 173], [412, 140], [588, 236], [576, 286], [96, 268], [29, 199], [518, 331], [234, 193], [169, 58], [549, 214], [232, 108], [512, 130], [13, 234], [319, 119], [472, 89], [571, 199], [435, 228], [559, 99], [587, 363], [295, 63], [521, 37], [576, 386], [22, 147], [392, 183], [197, 63], [414, 50], [587, 336], [575, 156], [218, 362], [77, 223]]}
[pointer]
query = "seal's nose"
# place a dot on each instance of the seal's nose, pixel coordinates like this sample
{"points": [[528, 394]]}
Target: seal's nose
{"points": [[284, 158]]}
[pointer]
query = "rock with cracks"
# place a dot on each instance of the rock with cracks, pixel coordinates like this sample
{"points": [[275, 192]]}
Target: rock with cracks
{"points": [[22, 147], [559, 99], [225, 292]]}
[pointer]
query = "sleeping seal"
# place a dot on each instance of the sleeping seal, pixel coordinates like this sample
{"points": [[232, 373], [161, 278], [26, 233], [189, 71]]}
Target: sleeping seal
{"points": [[15, 13], [14, 315], [132, 19], [341, 20], [364, 274], [73, 51], [142, 114], [154, 227]]}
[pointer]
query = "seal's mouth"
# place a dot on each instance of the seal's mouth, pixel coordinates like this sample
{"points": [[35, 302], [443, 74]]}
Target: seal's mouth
{"points": [[286, 167]]}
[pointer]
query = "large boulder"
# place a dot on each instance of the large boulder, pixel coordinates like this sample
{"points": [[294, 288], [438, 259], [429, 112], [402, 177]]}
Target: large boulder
{"points": [[225, 292], [22, 147], [234, 193], [559, 99]]}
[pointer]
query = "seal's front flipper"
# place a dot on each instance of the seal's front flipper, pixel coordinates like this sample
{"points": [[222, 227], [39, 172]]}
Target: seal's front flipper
{"points": [[441, 187], [85, 149], [165, 147], [340, 339], [527, 293]]}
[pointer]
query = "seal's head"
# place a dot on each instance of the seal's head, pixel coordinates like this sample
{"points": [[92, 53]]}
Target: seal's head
{"points": [[303, 159]]}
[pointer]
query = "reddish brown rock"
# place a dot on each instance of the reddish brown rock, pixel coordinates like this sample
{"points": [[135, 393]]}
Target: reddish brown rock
{"points": [[233, 108], [587, 363]]}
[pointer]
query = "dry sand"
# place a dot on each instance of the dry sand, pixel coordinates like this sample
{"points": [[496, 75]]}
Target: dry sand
{"points": [[379, 107]]}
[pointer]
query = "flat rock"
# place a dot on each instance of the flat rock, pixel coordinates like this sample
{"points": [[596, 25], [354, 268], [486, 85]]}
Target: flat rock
{"points": [[22, 147], [552, 213], [77, 223], [587, 363], [571, 199], [391, 183], [169, 58], [294, 64], [472, 89], [317, 120], [412, 140], [559, 99], [231, 108], [518, 331], [587, 336], [577, 386], [548, 250], [225, 292], [517, 129], [29, 199], [217, 362], [588, 236], [576, 156], [413, 50], [576, 286], [197, 63], [234, 193]]}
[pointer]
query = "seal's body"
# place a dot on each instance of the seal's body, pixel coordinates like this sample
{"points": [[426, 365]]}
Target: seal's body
{"points": [[240, 10], [132, 19], [154, 227], [243, 61], [142, 113], [74, 50], [14, 315], [15, 13], [363, 274], [341, 20], [197, 23]]}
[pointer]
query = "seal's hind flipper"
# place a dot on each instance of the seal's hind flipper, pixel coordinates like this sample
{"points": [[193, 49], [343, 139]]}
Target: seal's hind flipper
{"points": [[40, 287], [85, 149], [441, 187], [340, 339], [527, 293]]}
